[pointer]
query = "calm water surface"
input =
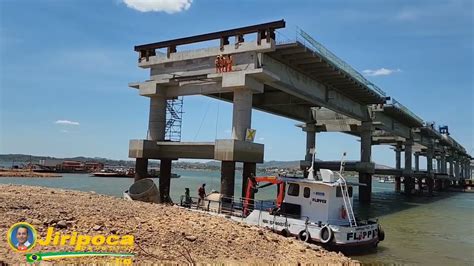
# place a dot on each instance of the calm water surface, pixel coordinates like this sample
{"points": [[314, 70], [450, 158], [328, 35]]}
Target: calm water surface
{"points": [[435, 230]]}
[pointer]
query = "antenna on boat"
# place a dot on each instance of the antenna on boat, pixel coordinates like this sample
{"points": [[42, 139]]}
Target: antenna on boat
{"points": [[311, 169], [343, 163]]}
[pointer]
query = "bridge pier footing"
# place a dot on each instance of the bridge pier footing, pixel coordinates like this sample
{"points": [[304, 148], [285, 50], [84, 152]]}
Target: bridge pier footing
{"points": [[165, 181], [227, 178]]}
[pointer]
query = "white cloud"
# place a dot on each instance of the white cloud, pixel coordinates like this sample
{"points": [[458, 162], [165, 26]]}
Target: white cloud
{"points": [[66, 122], [168, 6], [64, 131], [407, 15], [380, 72]]}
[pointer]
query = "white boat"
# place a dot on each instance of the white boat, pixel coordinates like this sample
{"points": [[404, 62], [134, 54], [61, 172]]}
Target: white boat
{"points": [[314, 209], [386, 179]]}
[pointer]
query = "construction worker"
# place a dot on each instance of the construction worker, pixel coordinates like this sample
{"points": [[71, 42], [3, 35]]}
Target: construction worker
{"points": [[201, 194], [223, 63], [229, 63], [187, 198], [218, 64]]}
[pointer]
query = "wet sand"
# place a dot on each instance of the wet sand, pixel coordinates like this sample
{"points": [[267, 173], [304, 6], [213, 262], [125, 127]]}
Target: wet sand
{"points": [[25, 173]]}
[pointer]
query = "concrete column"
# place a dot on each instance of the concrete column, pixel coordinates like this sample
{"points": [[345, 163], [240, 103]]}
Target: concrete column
{"points": [[469, 170], [157, 118], [429, 169], [241, 121], [456, 168], [310, 130], [398, 164], [365, 157], [227, 178], [249, 170], [417, 161], [165, 181], [141, 168], [242, 113], [156, 131], [464, 169], [420, 186], [451, 166], [444, 168], [408, 169]]}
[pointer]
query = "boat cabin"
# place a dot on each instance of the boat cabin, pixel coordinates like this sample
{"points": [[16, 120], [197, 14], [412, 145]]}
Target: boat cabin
{"points": [[319, 200]]}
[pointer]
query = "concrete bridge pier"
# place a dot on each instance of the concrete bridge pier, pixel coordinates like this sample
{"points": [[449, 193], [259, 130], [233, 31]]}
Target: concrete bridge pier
{"points": [[227, 178], [165, 180], [310, 129], [456, 168], [408, 171], [365, 176], [417, 168], [451, 166], [156, 131], [429, 169], [398, 182], [438, 165], [241, 121], [444, 167]]}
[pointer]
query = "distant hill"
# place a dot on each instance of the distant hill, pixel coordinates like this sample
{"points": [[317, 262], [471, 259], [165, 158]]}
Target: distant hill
{"points": [[25, 158], [8, 159]]}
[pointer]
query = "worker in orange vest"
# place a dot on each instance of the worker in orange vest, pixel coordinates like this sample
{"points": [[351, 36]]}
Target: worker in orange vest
{"points": [[229, 63]]}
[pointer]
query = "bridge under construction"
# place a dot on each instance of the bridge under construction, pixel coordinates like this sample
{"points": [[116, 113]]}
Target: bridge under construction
{"points": [[298, 79]]}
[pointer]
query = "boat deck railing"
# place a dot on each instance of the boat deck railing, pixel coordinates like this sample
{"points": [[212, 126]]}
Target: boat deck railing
{"points": [[226, 205]]}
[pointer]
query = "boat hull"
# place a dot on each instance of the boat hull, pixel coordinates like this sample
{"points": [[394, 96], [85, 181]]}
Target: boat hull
{"points": [[366, 235]]}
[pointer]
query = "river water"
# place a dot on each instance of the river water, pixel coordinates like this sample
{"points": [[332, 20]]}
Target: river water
{"points": [[436, 230]]}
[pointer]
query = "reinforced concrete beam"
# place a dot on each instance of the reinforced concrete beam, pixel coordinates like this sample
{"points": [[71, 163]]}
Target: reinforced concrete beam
{"points": [[382, 121], [170, 150], [211, 52], [285, 78]]}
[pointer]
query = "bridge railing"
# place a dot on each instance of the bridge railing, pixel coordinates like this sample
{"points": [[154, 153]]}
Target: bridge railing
{"points": [[400, 106], [309, 42]]}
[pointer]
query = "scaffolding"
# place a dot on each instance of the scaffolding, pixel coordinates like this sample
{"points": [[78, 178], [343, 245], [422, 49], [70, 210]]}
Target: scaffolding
{"points": [[174, 118]]}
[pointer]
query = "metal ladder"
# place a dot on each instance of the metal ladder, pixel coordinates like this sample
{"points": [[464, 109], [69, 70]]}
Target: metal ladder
{"points": [[345, 195]]}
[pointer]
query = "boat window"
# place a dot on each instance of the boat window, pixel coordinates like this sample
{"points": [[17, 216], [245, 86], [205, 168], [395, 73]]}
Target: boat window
{"points": [[306, 192], [294, 190], [339, 193]]}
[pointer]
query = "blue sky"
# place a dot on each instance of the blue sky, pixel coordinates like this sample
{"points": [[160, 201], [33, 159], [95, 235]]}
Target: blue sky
{"points": [[72, 61]]}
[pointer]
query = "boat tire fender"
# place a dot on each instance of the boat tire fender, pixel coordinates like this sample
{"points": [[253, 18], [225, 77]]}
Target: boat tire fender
{"points": [[325, 234], [381, 233], [304, 236], [285, 232]]}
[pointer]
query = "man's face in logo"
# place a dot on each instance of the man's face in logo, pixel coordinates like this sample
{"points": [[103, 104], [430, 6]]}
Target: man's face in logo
{"points": [[22, 235]]}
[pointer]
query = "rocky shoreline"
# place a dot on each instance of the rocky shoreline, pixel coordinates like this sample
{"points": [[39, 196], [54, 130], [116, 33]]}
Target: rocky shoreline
{"points": [[25, 173], [165, 234]]}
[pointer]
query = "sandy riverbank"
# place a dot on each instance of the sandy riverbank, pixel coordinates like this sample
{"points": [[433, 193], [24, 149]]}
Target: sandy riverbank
{"points": [[24, 173], [162, 233]]}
